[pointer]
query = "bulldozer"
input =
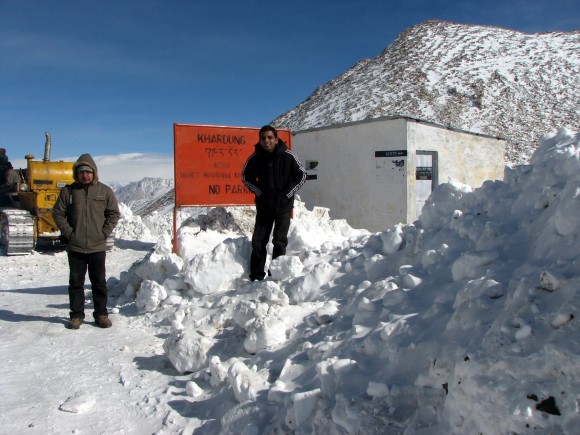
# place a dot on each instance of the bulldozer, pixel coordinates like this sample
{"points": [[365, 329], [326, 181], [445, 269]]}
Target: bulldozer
{"points": [[28, 222]]}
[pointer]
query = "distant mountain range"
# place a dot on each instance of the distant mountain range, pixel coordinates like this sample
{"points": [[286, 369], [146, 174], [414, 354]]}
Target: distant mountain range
{"points": [[146, 195], [477, 78]]}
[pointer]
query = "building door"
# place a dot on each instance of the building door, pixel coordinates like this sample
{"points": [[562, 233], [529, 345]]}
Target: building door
{"points": [[426, 179]]}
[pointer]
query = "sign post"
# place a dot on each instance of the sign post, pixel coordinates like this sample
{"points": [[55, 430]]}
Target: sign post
{"points": [[208, 164]]}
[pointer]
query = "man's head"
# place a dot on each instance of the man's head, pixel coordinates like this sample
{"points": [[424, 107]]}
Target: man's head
{"points": [[85, 174], [268, 138]]}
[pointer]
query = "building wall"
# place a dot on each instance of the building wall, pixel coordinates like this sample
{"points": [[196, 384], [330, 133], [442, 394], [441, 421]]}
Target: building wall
{"points": [[468, 158], [366, 171], [348, 180]]}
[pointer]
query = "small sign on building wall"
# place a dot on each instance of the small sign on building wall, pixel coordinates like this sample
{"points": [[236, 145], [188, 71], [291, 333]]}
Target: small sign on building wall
{"points": [[423, 173], [388, 163]]}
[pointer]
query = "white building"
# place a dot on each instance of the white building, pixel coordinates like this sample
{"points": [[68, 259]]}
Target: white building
{"points": [[379, 172]]}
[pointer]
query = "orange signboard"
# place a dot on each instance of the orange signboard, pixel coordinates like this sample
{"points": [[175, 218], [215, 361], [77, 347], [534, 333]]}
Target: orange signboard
{"points": [[209, 161]]}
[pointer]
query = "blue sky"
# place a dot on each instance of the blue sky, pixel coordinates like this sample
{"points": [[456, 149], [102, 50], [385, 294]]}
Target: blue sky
{"points": [[110, 77]]}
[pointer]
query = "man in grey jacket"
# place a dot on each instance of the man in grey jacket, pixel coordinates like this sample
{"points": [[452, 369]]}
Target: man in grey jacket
{"points": [[86, 212]]}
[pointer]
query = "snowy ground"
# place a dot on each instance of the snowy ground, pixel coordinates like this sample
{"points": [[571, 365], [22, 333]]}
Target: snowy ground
{"points": [[54, 381], [463, 322]]}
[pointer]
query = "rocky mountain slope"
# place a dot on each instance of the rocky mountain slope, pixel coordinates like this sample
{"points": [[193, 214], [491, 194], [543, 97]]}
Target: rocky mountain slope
{"points": [[476, 78], [147, 194]]}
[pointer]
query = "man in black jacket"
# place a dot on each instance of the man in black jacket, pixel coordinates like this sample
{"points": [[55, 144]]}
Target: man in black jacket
{"points": [[274, 174]]}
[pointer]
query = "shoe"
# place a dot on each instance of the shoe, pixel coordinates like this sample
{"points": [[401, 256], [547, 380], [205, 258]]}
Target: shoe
{"points": [[103, 322], [257, 276], [75, 323]]}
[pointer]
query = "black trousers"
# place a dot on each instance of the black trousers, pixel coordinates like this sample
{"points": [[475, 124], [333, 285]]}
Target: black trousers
{"points": [[79, 264], [265, 221]]}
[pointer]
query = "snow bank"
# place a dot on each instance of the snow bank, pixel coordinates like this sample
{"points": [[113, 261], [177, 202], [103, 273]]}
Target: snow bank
{"points": [[463, 322], [131, 227]]}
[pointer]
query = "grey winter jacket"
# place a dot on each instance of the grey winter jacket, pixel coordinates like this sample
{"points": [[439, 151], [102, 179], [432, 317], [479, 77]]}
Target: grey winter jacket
{"points": [[86, 215]]}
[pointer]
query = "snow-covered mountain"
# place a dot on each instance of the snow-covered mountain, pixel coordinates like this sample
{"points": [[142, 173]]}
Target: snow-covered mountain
{"points": [[146, 195], [477, 78]]}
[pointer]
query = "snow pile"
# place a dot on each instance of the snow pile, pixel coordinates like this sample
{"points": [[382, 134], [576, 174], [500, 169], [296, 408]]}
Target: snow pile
{"points": [[79, 403], [462, 322], [131, 226]]}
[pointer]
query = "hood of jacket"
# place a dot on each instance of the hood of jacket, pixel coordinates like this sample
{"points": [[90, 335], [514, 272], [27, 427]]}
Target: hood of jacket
{"points": [[85, 160]]}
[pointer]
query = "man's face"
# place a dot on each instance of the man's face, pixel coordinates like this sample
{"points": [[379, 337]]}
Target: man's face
{"points": [[268, 141], [86, 177]]}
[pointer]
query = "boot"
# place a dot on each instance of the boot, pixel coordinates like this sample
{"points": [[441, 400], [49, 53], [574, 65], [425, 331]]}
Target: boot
{"points": [[75, 323], [103, 322]]}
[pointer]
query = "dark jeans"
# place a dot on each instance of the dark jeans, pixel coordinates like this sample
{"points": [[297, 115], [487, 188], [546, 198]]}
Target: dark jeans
{"points": [[78, 264], [265, 220]]}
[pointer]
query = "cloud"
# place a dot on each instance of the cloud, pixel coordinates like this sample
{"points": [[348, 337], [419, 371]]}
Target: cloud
{"points": [[125, 168]]}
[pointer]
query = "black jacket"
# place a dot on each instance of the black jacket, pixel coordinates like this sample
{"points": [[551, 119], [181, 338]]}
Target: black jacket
{"points": [[274, 177]]}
